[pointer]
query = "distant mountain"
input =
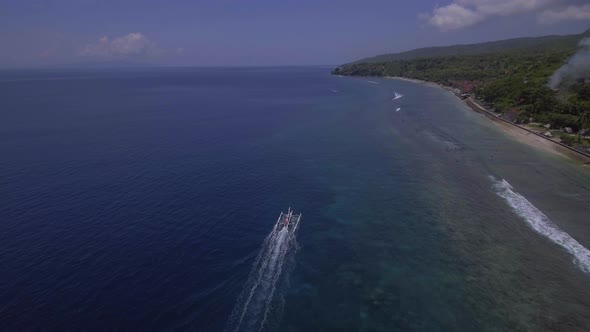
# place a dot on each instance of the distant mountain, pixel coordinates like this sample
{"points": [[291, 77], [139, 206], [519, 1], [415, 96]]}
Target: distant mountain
{"points": [[530, 44]]}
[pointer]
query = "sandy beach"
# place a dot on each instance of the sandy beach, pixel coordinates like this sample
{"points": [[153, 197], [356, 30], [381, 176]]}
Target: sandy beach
{"points": [[526, 136]]}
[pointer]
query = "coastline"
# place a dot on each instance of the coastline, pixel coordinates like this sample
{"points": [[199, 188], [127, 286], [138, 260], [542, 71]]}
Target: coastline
{"points": [[517, 132]]}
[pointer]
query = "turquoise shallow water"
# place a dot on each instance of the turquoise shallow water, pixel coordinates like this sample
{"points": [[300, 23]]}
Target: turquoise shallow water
{"points": [[422, 238], [145, 200]]}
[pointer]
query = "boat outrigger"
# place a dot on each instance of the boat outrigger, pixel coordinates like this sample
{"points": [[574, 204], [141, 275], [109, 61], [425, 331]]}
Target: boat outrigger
{"points": [[288, 220]]}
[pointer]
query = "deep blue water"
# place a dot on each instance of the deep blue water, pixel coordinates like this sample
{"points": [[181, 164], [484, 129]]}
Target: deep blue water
{"points": [[140, 199]]}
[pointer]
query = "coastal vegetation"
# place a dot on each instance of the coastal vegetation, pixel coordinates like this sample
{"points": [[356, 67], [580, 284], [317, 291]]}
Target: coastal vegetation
{"points": [[510, 77]]}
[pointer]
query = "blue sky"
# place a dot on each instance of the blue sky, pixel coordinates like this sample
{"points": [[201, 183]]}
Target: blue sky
{"points": [[263, 32]]}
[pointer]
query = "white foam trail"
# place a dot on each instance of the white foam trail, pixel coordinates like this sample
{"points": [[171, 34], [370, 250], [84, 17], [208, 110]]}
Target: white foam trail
{"points": [[398, 109], [254, 304], [397, 96], [334, 90], [541, 224], [373, 82]]}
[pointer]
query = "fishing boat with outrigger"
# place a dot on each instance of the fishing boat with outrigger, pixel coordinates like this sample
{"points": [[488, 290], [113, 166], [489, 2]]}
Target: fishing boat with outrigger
{"points": [[289, 220]]}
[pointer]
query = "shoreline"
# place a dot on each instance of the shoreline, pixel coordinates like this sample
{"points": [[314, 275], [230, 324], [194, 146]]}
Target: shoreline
{"points": [[519, 133]]}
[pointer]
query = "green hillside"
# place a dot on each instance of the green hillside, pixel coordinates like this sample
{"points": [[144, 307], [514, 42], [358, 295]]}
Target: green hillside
{"points": [[509, 75], [530, 44]]}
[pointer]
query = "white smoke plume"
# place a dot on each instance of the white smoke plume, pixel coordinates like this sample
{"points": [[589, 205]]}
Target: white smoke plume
{"points": [[576, 67]]}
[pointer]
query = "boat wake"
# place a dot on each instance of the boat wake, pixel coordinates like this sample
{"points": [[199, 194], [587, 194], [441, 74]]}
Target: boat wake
{"points": [[541, 224], [259, 306], [397, 96]]}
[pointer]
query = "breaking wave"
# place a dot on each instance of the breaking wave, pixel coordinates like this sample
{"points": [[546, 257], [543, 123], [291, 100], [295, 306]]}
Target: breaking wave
{"points": [[260, 304], [541, 224]]}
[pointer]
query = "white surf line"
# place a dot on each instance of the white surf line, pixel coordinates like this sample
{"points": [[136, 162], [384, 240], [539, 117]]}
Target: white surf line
{"points": [[541, 224]]}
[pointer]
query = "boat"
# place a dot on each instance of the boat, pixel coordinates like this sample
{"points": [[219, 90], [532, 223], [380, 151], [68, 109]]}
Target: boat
{"points": [[287, 220]]}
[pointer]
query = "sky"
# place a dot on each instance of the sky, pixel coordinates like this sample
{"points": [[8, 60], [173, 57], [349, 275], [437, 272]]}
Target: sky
{"points": [[37, 33]]}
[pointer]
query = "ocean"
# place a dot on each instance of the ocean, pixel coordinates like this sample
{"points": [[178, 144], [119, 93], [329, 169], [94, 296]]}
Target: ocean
{"points": [[145, 200]]}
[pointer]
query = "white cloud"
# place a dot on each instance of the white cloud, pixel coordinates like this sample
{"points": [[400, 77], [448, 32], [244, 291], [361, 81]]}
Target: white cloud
{"points": [[462, 13], [454, 16], [565, 14], [132, 44], [505, 7]]}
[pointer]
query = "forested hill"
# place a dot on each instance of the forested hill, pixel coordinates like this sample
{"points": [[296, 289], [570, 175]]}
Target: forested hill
{"points": [[511, 76], [528, 44]]}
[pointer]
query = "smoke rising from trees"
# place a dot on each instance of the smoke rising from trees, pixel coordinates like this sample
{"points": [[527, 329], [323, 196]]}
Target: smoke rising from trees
{"points": [[576, 67]]}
